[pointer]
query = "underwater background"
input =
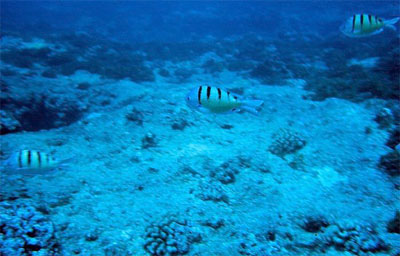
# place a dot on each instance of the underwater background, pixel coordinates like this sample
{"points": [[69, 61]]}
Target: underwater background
{"points": [[101, 86]]}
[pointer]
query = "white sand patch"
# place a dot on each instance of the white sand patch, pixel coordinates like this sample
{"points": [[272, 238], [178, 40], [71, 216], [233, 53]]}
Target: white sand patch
{"points": [[329, 176], [365, 63], [81, 76], [296, 82], [194, 149], [36, 43]]}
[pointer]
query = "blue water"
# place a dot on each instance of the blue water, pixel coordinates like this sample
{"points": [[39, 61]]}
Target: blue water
{"points": [[112, 142]]}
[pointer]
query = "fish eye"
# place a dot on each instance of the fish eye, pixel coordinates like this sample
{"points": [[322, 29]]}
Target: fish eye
{"points": [[188, 98]]}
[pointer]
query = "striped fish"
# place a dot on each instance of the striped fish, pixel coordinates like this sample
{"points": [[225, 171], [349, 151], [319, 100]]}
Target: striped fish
{"points": [[217, 100], [30, 162], [362, 25]]}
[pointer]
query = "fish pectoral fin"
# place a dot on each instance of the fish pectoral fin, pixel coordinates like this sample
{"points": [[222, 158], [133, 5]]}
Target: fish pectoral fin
{"points": [[391, 27], [365, 35], [66, 161], [377, 32], [203, 109], [251, 110], [24, 171], [253, 103]]}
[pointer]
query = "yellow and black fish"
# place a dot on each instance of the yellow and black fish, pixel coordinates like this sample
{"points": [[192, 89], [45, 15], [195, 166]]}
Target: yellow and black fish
{"points": [[217, 100], [30, 162], [362, 25]]}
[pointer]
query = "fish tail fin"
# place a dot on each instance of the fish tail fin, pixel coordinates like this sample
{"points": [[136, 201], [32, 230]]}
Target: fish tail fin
{"points": [[390, 23], [65, 162], [252, 106]]}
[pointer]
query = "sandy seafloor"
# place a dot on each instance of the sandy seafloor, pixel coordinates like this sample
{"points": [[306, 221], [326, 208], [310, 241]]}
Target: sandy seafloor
{"points": [[317, 172], [115, 186]]}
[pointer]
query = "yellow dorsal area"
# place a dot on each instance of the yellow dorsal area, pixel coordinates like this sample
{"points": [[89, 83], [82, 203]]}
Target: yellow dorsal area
{"points": [[32, 159], [365, 23], [218, 100]]}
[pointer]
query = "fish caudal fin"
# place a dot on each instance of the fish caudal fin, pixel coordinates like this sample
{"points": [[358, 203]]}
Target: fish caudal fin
{"points": [[390, 23], [65, 162], [252, 106]]}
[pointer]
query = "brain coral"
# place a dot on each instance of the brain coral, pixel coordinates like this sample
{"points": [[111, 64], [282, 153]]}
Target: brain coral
{"points": [[171, 236], [285, 142], [25, 231]]}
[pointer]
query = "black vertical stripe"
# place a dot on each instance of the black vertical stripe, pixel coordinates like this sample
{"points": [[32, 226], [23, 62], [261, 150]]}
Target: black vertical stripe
{"points": [[208, 92], [219, 93], [370, 19], [199, 95], [20, 159], [362, 20], [354, 23], [29, 158], [39, 159], [228, 93]]}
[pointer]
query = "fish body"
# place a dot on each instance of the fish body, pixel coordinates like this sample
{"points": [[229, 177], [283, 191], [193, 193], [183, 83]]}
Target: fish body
{"points": [[30, 162], [217, 100], [362, 25]]}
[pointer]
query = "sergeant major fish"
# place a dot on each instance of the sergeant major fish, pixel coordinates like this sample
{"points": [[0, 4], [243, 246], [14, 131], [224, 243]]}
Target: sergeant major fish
{"points": [[30, 162], [217, 100], [362, 25]]}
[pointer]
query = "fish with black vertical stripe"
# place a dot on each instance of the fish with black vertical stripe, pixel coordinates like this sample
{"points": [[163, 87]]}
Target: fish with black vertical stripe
{"points": [[216, 100], [30, 162], [363, 25]]}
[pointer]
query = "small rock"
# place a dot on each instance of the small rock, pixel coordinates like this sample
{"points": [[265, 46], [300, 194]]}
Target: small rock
{"points": [[135, 116], [92, 235], [149, 140], [314, 224], [393, 226], [384, 118], [83, 86]]}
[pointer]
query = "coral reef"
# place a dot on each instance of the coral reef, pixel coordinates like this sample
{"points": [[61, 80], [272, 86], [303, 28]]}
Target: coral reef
{"points": [[183, 74], [213, 191], [128, 77], [8, 123], [49, 73], [394, 138], [285, 142], [351, 237], [213, 67], [119, 63], [83, 86], [225, 173], [390, 163], [356, 238], [253, 245], [179, 124], [149, 141], [164, 72], [135, 116], [25, 231], [393, 225], [314, 223], [214, 223], [25, 58], [271, 71], [171, 236], [44, 112], [384, 118]]}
